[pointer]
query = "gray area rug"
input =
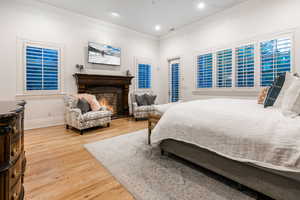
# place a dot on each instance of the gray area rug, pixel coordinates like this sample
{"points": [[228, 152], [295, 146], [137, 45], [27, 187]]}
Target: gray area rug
{"points": [[149, 176]]}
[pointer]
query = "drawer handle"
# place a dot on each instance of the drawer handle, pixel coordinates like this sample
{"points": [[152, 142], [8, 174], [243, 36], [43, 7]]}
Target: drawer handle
{"points": [[15, 174], [14, 152], [15, 196], [15, 129]]}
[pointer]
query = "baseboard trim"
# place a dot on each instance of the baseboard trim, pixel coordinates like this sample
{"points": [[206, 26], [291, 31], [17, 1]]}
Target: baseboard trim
{"points": [[43, 123]]}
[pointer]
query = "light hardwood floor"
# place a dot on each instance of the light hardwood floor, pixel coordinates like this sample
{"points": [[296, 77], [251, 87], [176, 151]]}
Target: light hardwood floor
{"points": [[59, 168]]}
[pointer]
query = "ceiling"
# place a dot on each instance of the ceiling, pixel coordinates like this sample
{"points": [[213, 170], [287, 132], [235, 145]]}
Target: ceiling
{"points": [[144, 15]]}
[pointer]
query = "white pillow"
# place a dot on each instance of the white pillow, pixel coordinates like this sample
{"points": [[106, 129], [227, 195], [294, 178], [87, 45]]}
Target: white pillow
{"points": [[290, 105], [289, 77]]}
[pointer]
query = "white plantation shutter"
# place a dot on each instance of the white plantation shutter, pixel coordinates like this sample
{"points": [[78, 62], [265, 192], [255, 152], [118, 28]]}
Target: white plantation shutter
{"points": [[144, 76], [245, 66], [224, 68], [42, 69], [174, 80], [275, 59], [205, 71]]}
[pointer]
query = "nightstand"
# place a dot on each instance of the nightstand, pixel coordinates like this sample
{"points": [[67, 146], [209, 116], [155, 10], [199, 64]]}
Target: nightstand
{"points": [[152, 121]]}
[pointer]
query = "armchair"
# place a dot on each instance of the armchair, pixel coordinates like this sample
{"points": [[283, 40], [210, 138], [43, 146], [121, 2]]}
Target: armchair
{"points": [[140, 112], [74, 118]]}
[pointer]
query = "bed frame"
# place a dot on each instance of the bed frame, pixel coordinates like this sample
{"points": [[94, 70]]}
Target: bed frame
{"points": [[275, 184]]}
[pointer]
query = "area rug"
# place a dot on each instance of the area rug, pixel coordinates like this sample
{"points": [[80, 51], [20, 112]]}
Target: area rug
{"points": [[149, 176]]}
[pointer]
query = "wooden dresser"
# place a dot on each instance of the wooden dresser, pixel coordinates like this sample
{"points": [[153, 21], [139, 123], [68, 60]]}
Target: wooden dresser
{"points": [[12, 156]]}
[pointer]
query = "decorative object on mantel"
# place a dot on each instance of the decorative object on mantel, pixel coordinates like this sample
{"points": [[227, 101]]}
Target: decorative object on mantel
{"points": [[80, 67], [12, 156], [110, 91], [128, 73]]}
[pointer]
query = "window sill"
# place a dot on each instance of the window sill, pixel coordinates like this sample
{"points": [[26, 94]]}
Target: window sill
{"points": [[250, 92], [38, 96]]}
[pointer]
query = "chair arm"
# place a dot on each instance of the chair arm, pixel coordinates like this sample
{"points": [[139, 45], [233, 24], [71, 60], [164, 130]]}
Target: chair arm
{"points": [[134, 106], [75, 113]]}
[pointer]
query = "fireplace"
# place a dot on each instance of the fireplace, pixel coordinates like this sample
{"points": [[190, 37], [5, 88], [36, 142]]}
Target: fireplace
{"points": [[110, 91], [108, 100]]}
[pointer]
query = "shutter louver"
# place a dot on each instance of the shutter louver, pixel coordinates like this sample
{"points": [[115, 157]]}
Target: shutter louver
{"points": [[41, 69], [175, 75], [144, 76], [245, 66], [224, 68], [275, 59], [205, 71]]}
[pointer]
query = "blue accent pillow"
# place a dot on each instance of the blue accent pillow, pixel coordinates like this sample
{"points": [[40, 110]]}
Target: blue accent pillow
{"points": [[274, 90]]}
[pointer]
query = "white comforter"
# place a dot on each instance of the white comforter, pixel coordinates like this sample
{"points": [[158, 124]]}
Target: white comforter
{"points": [[238, 129]]}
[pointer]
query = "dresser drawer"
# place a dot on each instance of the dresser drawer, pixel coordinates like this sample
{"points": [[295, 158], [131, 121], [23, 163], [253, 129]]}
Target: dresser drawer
{"points": [[15, 172], [16, 149], [16, 191], [16, 130]]}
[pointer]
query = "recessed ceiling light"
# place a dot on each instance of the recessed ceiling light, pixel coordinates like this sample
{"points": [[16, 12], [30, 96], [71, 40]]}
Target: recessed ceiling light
{"points": [[201, 5], [115, 14], [157, 27]]}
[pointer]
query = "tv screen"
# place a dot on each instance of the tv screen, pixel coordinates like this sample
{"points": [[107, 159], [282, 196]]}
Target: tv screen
{"points": [[104, 54]]}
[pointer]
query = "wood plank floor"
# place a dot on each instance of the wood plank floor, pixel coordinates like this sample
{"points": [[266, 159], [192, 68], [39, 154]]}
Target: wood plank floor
{"points": [[59, 168]]}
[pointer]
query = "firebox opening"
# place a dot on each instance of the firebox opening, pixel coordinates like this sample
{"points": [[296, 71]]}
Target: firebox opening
{"points": [[104, 102], [108, 100]]}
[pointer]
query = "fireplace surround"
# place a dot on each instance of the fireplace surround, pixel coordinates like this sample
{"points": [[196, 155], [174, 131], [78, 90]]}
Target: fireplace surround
{"points": [[110, 91]]}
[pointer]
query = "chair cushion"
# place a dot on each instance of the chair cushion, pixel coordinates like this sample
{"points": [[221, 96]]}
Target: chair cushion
{"points": [[141, 100], [94, 115], [150, 99], [83, 105], [144, 108], [95, 106]]}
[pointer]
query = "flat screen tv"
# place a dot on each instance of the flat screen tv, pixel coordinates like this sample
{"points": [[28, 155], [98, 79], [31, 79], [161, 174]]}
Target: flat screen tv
{"points": [[104, 54]]}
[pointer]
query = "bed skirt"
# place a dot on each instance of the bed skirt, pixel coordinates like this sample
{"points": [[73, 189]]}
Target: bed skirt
{"points": [[276, 184]]}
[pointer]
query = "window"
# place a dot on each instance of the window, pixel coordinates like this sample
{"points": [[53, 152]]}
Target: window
{"points": [[144, 76], [245, 66], [175, 81], [224, 68], [205, 71], [275, 59], [42, 69]]}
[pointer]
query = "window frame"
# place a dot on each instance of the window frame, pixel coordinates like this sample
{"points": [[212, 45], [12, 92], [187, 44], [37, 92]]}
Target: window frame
{"points": [[57, 47], [257, 64]]}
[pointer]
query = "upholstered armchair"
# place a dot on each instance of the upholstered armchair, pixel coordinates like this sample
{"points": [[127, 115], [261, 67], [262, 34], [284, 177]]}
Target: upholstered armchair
{"points": [[140, 112], [74, 118]]}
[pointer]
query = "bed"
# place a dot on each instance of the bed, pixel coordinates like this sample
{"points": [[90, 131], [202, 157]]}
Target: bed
{"points": [[239, 139]]}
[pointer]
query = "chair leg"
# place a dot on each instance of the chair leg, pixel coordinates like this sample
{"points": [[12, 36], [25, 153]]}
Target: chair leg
{"points": [[149, 133], [81, 132], [108, 124], [136, 119], [67, 126]]}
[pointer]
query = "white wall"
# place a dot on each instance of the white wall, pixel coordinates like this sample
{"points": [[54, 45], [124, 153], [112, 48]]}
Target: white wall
{"points": [[38, 22], [248, 21]]}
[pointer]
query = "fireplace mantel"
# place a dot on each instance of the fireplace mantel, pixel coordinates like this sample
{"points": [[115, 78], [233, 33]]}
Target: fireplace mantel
{"points": [[99, 84], [86, 80]]}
